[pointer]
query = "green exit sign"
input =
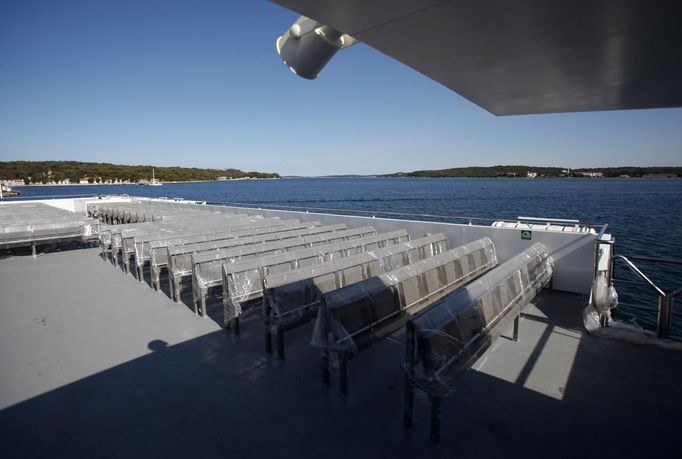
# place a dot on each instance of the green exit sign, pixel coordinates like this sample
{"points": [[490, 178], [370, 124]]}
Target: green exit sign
{"points": [[526, 235]]}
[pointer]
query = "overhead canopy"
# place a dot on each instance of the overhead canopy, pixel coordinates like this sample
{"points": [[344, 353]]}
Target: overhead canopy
{"points": [[526, 56]]}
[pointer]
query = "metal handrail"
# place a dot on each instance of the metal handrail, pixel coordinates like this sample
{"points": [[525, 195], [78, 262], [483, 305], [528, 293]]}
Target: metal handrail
{"points": [[665, 300], [373, 213], [672, 261], [52, 197], [640, 274], [601, 226]]}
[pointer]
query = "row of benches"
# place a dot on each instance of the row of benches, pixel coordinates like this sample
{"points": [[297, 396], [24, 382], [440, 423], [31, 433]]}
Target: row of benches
{"points": [[31, 224], [359, 286], [116, 213]]}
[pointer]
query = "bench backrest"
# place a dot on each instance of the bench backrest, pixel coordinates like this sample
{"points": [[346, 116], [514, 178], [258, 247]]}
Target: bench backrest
{"points": [[182, 259], [159, 250], [197, 226], [144, 244]]}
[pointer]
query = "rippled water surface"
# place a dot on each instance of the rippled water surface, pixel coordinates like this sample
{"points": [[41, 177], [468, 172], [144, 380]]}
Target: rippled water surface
{"points": [[644, 215]]}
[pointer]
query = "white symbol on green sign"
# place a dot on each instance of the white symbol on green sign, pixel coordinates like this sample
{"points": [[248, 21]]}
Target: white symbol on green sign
{"points": [[526, 235]]}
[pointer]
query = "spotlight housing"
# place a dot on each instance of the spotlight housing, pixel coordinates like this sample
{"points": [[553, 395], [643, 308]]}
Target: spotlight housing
{"points": [[307, 46]]}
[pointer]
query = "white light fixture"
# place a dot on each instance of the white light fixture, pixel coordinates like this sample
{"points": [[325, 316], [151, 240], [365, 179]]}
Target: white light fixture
{"points": [[307, 46]]}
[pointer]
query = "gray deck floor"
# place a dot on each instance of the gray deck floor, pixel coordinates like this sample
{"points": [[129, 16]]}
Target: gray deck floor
{"points": [[95, 364]]}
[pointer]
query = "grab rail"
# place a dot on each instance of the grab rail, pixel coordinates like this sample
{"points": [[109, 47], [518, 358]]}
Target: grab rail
{"points": [[374, 213], [665, 300]]}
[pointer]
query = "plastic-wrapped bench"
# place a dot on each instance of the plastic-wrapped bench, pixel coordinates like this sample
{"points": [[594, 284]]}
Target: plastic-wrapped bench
{"points": [[354, 317], [207, 268], [243, 281], [447, 338], [292, 297]]}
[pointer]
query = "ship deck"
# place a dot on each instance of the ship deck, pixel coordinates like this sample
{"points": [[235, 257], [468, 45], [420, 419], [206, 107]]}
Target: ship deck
{"points": [[95, 364]]}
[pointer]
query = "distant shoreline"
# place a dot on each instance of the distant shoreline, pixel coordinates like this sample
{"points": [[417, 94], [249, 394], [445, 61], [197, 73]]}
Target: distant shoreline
{"points": [[137, 184], [39, 185]]}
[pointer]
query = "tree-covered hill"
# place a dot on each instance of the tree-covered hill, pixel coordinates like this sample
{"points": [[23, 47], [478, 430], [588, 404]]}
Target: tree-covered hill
{"points": [[522, 171], [58, 171]]}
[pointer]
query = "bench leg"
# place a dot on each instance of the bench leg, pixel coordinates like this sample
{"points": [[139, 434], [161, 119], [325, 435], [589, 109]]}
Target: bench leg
{"points": [[408, 408], [33, 249], [280, 343], [516, 327], [268, 329], [114, 258], [140, 273], [268, 339], [343, 373], [325, 367], [435, 419], [175, 289], [235, 326], [203, 305]]}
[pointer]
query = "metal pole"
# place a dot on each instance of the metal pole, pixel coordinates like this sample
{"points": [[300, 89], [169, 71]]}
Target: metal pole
{"points": [[408, 408], [343, 373], [280, 343], [435, 418], [663, 313], [516, 327], [268, 331], [325, 367]]}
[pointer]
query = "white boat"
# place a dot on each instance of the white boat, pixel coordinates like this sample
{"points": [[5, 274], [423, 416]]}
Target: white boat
{"points": [[153, 181], [6, 191]]}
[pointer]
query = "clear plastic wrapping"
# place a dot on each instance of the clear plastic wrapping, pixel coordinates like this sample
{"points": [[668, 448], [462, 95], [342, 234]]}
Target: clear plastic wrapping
{"points": [[206, 266], [451, 333], [293, 297], [243, 281], [23, 224], [355, 316]]}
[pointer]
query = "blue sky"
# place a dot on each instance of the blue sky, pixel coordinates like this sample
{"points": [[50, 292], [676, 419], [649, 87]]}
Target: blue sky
{"points": [[198, 83]]}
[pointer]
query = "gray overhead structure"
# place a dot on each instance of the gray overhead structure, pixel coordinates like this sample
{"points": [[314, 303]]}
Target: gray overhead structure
{"points": [[518, 57]]}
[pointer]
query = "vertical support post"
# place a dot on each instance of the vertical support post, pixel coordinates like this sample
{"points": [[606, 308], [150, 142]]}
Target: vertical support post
{"points": [[435, 418], [325, 367], [33, 249], [663, 327], [516, 327], [280, 343], [140, 273], [343, 373], [202, 302], [408, 406], [268, 329], [174, 289]]}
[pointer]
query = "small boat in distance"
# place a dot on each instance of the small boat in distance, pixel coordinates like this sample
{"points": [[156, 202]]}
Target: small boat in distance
{"points": [[7, 192], [152, 182]]}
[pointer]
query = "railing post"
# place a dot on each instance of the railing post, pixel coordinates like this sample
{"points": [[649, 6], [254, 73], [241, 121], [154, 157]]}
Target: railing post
{"points": [[663, 326], [408, 407]]}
